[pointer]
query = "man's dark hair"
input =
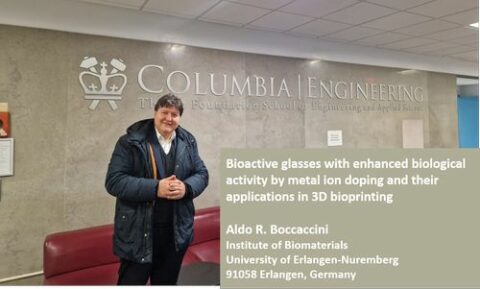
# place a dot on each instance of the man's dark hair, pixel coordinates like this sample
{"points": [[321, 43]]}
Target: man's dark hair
{"points": [[170, 100], [1, 123]]}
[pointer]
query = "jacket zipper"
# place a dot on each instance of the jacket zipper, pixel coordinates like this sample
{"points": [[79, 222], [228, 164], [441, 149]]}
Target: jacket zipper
{"points": [[175, 233], [150, 174]]}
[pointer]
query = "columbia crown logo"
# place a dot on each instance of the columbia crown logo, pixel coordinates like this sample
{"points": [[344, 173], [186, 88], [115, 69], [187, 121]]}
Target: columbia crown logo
{"points": [[103, 85]]}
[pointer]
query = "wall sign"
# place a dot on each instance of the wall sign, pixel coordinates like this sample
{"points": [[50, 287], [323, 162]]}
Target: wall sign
{"points": [[6, 157], [335, 138]]}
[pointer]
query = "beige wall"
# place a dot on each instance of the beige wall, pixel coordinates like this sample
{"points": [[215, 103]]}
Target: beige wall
{"points": [[62, 148]]}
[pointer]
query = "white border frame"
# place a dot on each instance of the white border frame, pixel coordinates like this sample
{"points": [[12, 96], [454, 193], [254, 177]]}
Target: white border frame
{"points": [[6, 165]]}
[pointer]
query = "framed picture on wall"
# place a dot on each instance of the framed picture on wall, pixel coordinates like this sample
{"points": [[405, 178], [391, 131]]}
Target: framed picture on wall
{"points": [[4, 124], [6, 157]]}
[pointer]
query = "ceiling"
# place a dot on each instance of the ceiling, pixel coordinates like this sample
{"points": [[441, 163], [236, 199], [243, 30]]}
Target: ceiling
{"points": [[424, 27]]}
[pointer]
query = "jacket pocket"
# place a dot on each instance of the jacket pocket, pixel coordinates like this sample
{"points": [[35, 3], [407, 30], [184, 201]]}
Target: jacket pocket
{"points": [[125, 221]]}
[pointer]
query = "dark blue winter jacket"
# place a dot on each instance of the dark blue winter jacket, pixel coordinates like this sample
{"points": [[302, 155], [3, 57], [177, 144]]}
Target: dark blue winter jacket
{"points": [[130, 180]]}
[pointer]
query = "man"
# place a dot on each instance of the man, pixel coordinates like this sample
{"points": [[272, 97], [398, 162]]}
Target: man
{"points": [[155, 172]]}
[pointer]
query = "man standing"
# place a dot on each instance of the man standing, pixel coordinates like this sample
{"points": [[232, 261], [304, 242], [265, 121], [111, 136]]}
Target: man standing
{"points": [[155, 172]]}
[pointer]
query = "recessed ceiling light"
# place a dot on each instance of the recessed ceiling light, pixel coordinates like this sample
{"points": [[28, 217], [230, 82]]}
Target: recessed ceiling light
{"points": [[175, 48], [474, 25], [408, 71]]}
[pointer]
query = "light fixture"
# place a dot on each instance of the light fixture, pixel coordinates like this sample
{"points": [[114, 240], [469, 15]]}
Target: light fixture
{"points": [[408, 71], [176, 48], [474, 25]]}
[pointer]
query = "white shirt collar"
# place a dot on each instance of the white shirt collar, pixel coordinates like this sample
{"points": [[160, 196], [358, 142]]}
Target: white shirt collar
{"points": [[163, 140], [165, 143]]}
